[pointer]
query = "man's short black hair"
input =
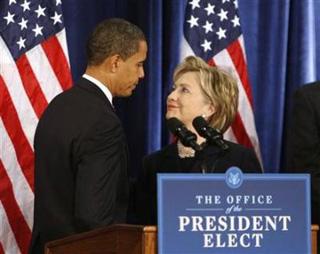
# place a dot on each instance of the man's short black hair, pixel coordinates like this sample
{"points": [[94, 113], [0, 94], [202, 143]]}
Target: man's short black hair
{"points": [[113, 36]]}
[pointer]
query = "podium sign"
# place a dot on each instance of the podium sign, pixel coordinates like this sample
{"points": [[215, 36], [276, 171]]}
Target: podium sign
{"points": [[234, 213]]}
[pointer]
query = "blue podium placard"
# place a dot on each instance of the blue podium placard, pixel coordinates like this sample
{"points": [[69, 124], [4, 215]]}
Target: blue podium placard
{"points": [[234, 213]]}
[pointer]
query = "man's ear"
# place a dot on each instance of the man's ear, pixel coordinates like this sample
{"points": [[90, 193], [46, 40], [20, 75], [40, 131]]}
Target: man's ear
{"points": [[115, 62]]}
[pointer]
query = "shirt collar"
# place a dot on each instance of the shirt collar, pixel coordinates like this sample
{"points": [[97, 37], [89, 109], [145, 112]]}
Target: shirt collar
{"points": [[104, 88]]}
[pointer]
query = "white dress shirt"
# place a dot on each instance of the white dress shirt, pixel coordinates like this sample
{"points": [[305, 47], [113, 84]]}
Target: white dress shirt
{"points": [[103, 88]]}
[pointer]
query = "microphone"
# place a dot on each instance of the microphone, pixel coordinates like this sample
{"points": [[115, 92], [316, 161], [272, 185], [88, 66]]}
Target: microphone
{"points": [[187, 138], [210, 134]]}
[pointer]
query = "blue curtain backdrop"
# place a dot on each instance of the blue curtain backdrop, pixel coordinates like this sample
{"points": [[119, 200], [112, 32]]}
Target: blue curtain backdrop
{"points": [[282, 40]]}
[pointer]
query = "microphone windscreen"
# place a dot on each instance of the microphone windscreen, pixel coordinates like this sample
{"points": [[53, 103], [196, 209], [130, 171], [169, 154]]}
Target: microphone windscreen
{"points": [[199, 123], [186, 137], [174, 124]]}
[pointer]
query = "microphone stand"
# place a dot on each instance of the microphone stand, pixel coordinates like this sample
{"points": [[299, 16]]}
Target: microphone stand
{"points": [[201, 158], [204, 160]]}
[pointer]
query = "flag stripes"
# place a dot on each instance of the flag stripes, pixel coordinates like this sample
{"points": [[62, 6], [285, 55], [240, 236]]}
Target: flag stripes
{"points": [[20, 188], [12, 80], [7, 239], [14, 129], [236, 53], [31, 86], [20, 229], [62, 38], [240, 132], [1, 249], [58, 61], [27, 85], [44, 78]]}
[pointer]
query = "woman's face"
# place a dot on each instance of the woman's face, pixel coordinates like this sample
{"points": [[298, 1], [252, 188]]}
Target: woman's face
{"points": [[187, 100]]}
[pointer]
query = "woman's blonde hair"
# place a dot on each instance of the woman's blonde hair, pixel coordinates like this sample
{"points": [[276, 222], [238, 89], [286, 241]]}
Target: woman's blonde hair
{"points": [[218, 86]]}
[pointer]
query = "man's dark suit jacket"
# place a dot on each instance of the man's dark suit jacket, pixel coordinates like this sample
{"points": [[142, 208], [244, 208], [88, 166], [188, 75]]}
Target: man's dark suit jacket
{"points": [[304, 140], [167, 161], [80, 166]]}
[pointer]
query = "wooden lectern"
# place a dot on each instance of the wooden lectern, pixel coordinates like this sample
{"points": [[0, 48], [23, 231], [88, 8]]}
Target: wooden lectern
{"points": [[120, 239], [116, 239], [314, 240]]}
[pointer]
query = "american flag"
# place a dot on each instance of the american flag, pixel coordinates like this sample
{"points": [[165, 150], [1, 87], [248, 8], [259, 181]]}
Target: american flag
{"points": [[212, 31], [34, 68]]}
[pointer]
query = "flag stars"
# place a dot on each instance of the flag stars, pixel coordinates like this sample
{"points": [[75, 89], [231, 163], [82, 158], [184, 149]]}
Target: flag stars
{"points": [[235, 2], [23, 24], [235, 21], [40, 11], [25, 5], [37, 30], [206, 45], [208, 27], [195, 4], [9, 18], [225, 1], [193, 21], [21, 43], [56, 18], [209, 9], [59, 2], [223, 15], [221, 33], [12, 2]]}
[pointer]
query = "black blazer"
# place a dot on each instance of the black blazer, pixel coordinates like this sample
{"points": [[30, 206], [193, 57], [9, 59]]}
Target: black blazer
{"points": [[167, 161], [303, 147], [80, 166]]}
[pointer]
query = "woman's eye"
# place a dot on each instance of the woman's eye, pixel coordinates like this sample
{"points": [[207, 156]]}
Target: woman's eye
{"points": [[185, 90]]}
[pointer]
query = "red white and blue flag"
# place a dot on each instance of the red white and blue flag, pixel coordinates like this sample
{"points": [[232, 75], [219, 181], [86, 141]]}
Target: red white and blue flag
{"points": [[34, 68], [212, 31]]}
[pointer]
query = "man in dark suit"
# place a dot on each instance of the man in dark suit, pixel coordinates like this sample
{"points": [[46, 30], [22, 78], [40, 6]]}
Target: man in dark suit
{"points": [[304, 141], [80, 147]]}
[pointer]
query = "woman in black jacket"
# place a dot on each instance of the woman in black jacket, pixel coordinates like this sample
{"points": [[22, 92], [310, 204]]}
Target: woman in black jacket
{"points": [[199, 90]]}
